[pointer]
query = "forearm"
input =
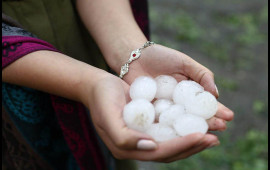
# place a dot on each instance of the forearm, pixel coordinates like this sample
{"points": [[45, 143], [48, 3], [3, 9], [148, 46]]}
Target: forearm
{"points": [[112, 25], [54, 73]]}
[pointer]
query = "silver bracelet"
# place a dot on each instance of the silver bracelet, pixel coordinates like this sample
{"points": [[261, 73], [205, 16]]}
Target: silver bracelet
{"points": [[133, 56]]}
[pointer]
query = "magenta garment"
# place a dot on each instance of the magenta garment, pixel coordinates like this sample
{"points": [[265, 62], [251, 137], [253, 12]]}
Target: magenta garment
{"points": [[71, 115], [78, 133], [15, 47], [140, 11]]}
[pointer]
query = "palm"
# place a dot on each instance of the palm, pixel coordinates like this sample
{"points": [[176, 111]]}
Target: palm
{"points": [[159, 60], [108, 100], [110, 96]]}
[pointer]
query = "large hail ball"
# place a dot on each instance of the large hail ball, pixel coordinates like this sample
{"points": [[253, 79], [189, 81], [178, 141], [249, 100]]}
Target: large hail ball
{"points": [[185, 91], [143, 88], [204, 104], [139, 114], [162, 105], [187, 124], [161, 132], [169, 116], [165, 86]]}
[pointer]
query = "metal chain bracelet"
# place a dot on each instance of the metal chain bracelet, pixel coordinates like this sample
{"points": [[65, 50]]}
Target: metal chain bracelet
{"points": [[133, 56]]}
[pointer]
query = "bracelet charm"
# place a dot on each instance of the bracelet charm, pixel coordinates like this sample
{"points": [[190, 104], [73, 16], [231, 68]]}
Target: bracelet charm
{"points": [[133, 56]]}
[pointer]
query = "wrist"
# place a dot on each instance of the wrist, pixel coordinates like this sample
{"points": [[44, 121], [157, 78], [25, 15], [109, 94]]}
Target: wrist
{"points": [[121, 50], [89, 79]]}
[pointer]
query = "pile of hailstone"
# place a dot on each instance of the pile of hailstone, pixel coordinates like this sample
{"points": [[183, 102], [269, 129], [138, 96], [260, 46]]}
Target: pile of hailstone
{"points": [[165, 109]]}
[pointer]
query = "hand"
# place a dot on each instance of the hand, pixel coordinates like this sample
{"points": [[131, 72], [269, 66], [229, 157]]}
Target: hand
{"points": [[159, 60], [106, 103]]}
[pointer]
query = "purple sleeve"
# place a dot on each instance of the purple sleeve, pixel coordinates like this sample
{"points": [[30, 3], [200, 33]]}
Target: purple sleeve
{"points": [[15, 47], [140, 11]]}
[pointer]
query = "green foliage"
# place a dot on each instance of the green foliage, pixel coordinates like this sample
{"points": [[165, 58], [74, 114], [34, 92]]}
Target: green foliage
{"points": [[183, 25], [259, 106], [249, 152], [187, 28], [215, 51], [247, 25], [226, 84], [263, 15], [235, 38]]}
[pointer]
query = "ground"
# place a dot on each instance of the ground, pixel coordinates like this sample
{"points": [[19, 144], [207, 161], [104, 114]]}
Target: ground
{"points": [[231, 39]]}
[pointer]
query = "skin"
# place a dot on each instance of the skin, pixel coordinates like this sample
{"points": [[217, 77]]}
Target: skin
{"points": [[104, 94], [121, 35]]}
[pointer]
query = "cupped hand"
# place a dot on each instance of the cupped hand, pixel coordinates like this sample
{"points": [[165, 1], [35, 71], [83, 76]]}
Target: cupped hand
{"points": [[159, 60], [106, 104]]}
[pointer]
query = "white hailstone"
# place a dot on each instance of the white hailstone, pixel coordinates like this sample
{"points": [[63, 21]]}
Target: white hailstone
{"points": [[139, 114], [187, 124], [204, 104], [161, 105], [161, 132], [143, 88], [185, 91], [170, 115], [165, 86]]}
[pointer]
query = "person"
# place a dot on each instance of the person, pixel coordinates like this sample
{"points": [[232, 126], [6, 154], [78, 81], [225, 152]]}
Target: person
{"points": [[45, 88]]}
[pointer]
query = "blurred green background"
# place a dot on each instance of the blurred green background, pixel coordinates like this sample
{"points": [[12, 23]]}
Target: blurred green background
{"points": [[230, 37]]}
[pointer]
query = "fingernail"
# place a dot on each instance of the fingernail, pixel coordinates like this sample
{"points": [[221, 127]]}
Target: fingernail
{"points": [[213, 145], [217, 90], [146, 145]]}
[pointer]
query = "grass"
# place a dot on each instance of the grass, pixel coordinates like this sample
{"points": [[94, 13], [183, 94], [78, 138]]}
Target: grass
{"points": [[247, 153], [233, 41], [244, 30], [226, 84], [260, 107]]}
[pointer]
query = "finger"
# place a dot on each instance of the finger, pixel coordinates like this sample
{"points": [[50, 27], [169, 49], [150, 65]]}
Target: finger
{"points": [[164, 150], [209, 140], [216, 124], [172, 147], [224, 113], [110, 118], [200, 74], [128, 139], [208, 82], [124, 137]]}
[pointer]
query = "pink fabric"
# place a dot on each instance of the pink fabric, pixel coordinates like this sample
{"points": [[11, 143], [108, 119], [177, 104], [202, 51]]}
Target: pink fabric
{"points": [[15, 47], [78, 133], [72, 116], [140, 12]]}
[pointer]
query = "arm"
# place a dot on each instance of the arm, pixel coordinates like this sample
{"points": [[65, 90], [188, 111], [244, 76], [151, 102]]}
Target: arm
{"points": [[54, 73], [105, 95], [116, 32], [112, 25]]}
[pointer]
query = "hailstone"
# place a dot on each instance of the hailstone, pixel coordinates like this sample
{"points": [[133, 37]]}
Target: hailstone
{"points": [[161, 132], [185, 91], [187, 124], [204, 104], [180, 109], [165, 86], [169, 116], [143, 87], [139, 114], [161, 105]]}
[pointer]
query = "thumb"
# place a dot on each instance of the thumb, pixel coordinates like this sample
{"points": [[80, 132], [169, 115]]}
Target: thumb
{"points": [[207, 81], [200, 74], [129, 139]]}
